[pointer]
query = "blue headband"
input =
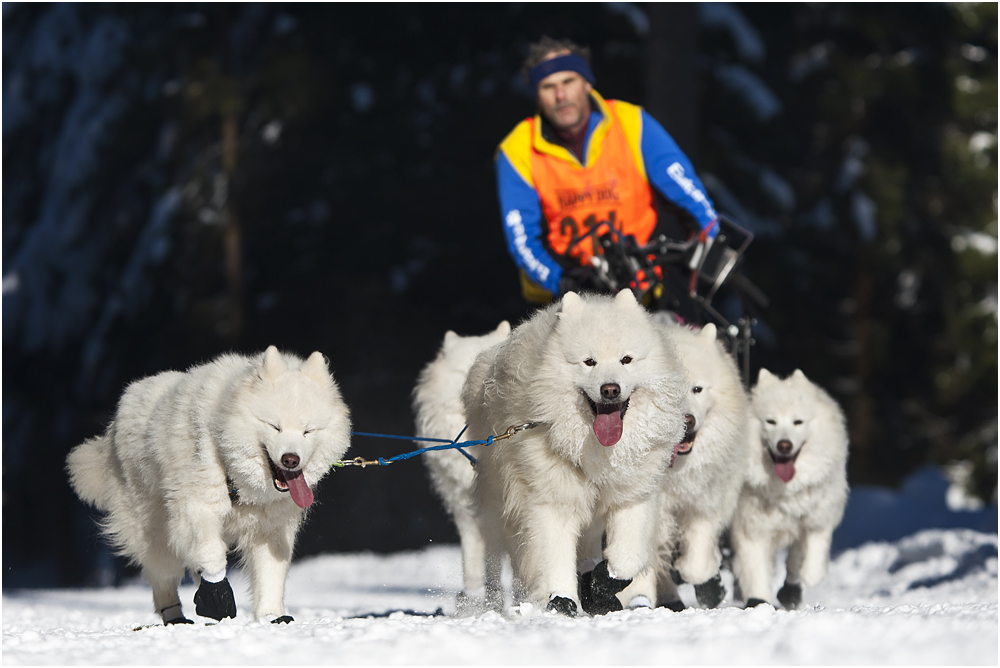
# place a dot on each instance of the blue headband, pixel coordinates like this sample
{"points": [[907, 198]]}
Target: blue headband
{"points": [[570, 62]]}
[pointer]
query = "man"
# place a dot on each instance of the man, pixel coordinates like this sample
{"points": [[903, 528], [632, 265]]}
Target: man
{"points": [[582, 161]]}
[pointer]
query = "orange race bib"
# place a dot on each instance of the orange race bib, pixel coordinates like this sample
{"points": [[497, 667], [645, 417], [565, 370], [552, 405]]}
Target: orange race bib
{"points": [[610, 190]]}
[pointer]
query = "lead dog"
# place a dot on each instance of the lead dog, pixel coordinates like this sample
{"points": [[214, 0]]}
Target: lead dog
{"points": [[700, 491], [223, 455], [607, 394], [795, 490]]}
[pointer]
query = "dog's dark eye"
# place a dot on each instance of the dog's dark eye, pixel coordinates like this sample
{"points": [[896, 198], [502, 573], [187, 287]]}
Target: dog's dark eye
{"points": [[274, 427], [627, 359], [797, 422], [307, 431], [590, 362], [771, 422], [697, 389]]}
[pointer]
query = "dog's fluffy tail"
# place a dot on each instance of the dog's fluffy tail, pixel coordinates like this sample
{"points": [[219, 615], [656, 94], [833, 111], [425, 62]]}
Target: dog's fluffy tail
{"points": [[89, 467]]}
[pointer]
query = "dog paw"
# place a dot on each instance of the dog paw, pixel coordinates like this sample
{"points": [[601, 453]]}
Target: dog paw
{"points": [[754, 602], [711, 592], [599, 589], [215, 600], [284, 619], [562, 605], [790, 596], [676, 606]]}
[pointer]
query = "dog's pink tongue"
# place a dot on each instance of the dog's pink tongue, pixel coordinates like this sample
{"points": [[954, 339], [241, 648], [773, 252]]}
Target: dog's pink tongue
{"points": [[673, 456], [785, 470], [608, 428], [297, 487]]}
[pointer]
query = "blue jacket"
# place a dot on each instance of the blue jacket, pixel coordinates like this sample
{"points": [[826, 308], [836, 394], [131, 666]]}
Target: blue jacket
{"points": [[666, 167]]}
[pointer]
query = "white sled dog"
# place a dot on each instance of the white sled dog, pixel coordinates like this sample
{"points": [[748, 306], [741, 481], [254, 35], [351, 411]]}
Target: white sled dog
{"points": [[607, 394], [225, 454], [700, 491], [437, 404], [795, 490]]}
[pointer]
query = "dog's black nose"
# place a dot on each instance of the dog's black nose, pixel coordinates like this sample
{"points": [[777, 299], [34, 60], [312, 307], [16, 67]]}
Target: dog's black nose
{"points": [[784, 446], [610, 391], [688, 423], [289, 460]]}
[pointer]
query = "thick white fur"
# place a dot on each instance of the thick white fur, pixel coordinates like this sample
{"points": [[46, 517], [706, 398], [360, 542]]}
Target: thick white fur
{"points": [[538, 493], [701, 489], [160, 469], [437, 403], [802, 513]]}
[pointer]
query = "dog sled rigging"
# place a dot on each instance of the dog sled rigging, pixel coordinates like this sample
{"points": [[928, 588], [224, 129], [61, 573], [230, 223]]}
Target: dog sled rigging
{"points": [[619, 262], [455, 444]]}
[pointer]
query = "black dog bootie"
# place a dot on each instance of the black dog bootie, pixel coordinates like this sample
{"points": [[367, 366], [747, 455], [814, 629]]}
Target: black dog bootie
{"points": [[215, 600], [562, 605], [598, 589], [711, 592], [790, 596]]}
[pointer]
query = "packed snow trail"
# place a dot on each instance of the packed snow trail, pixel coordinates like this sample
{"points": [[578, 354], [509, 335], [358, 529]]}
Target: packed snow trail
{"points": [[930, 598]]}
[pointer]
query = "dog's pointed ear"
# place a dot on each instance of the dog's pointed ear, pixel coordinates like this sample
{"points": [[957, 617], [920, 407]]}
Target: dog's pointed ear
{"points": [[625, 299], [765, 377], [503, 329], [571, 303], [709, 332], [273, 364], [798, 375], [450, 338], [316, 367]]}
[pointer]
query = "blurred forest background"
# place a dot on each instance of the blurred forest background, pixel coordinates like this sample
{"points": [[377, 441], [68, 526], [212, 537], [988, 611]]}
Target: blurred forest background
{"points": [[186, 179]]}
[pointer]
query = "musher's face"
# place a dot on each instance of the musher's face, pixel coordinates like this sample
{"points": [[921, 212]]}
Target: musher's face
{"points": [[564, 99]]}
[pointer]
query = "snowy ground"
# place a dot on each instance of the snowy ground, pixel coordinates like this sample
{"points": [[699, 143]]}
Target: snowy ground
{"points": [[928, 598]]}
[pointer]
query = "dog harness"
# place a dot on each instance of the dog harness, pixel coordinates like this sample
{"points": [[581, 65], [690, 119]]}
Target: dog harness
{"points": [[234, 493]]}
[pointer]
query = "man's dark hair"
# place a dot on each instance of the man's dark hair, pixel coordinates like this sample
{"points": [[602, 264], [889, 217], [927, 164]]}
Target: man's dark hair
{"points": [[546, 46]]}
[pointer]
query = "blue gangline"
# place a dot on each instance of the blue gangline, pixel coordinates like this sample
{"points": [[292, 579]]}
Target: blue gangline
{"points": [[451, 445]]}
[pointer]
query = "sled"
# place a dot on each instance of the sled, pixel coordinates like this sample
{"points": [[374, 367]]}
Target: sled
{"points": [[619, 262]]}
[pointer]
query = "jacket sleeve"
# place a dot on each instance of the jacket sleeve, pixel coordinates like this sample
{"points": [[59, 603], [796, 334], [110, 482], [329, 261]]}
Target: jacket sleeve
{"points": [[670, 172], [521, 210]]}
